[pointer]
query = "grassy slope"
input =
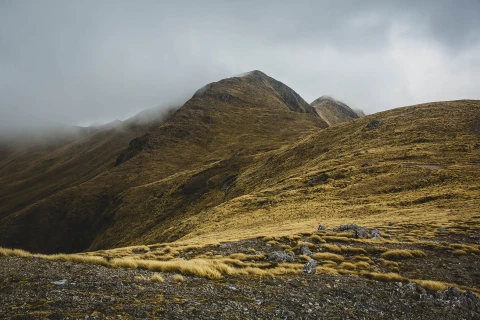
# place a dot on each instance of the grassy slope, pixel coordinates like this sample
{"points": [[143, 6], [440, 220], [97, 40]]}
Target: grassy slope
{"points": [[350, 174], [184, 164]]}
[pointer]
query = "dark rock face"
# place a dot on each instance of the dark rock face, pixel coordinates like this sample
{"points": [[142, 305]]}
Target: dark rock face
{"points": [[281, 256], [374, 124], [135, 146], [310, 267]]}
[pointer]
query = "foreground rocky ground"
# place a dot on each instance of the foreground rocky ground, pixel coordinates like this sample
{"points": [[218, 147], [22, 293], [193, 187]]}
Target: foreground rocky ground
{"points": [[35, 288]]}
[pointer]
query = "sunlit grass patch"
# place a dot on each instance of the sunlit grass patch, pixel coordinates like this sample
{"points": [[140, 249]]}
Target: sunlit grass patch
{"points": [[327, 256], [399, 254]]}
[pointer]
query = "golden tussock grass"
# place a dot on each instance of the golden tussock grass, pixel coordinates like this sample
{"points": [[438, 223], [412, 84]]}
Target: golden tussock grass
{"points": [[14, 253], [336, 239], [317, 239], [363, 258], [384, 277], [328, 263], [353, 250], [327, 256], [178, 278], [157, 277], [239, 256], [251, 250], [347, 266], [433, 285], [459, 252], [326, 270], [332, 248], [388, 263], [141, 278], [399, 254], [362, 264], [77, 258]]}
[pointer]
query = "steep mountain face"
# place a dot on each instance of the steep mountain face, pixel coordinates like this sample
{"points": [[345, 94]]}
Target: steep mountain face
{"points": [[100, 196], [333, 111]]}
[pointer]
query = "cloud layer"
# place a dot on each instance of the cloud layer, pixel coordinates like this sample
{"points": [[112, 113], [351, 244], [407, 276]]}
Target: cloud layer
{"points": [[82, 62]]}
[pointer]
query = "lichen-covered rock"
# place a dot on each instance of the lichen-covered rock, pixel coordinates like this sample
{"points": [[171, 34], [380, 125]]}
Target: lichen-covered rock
{"points": [[281, 256], [304, 250], [310, 267], [375, 233], [321, 227]]}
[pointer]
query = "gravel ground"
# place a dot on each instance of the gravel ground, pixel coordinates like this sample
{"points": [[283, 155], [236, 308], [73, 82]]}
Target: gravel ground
{"points": [[34, 288]]}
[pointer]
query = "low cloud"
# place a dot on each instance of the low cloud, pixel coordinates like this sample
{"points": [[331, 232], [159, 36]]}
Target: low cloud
{"points": [[79, 63]]}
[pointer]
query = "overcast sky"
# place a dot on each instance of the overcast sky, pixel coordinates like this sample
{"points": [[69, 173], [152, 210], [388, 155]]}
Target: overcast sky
{"points": [[83, 62]]}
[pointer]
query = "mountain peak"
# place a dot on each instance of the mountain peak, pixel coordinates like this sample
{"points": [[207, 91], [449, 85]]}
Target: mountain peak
{"points": [[245, 82], [333, 111]]}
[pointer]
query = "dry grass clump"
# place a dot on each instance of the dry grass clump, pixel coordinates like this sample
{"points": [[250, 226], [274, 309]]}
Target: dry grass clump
{"points": [[178, 278], [385, 277], [77, 258], [347, 266], [328, 263], [336, 239], [362, 265], [14, 253], [328, 256], [388, 263], [363, 258], [210, 269], [467, 248], [459, 252], [124, 263], [433, 285], [272, 242], [332, 248], [326, 270], [316, 238], [157, 277], [141, 278], [353, 250], [251, 250], [239, 256], [399, 254], [418, 253]]}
